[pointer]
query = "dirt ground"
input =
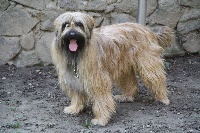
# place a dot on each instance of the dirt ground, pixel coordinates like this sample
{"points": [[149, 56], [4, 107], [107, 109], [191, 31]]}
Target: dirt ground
{"points": [[32, 102]]}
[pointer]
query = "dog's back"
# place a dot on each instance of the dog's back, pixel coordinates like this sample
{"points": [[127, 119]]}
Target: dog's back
{"points": [[126, 41], [137, 33]]}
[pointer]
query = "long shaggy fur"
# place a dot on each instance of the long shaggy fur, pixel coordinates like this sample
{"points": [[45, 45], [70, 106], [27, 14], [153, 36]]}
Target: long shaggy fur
{"points": [[110, 55]]}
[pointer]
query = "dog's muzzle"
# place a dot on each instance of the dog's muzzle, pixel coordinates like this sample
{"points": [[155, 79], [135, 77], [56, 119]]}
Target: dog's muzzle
{"points": [[74, 41]]}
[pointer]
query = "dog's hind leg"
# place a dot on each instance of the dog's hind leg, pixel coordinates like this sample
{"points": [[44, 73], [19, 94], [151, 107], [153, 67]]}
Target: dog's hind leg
{"points": [[77, 103], [129, 86], [152, 74]]}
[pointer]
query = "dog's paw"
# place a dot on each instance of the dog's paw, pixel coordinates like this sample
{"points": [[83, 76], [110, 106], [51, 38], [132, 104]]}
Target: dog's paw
{"points": [[99, 122], [165, 101], [123, 98], [72, 110]]}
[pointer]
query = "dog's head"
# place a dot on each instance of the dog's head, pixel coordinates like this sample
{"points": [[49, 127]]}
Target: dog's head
{"points": [[73, 31]]}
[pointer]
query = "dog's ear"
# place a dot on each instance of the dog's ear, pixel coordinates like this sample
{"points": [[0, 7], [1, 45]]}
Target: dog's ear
{"points": [[58, 32], [90, 25]]}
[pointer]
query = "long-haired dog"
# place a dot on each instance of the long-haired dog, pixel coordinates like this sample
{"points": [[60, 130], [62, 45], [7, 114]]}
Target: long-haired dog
{"points": [[90, 61]]}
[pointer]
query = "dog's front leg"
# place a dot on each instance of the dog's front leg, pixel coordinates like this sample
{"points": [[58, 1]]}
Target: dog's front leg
{"points": [[77, 103], [103, 108]]}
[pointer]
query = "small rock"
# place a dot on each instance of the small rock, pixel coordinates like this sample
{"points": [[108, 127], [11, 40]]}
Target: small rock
{"points": [[37, 71], [27, 41]]}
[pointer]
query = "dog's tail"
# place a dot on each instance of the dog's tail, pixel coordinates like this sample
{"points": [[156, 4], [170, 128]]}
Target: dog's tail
{"points": [[165, 36]]}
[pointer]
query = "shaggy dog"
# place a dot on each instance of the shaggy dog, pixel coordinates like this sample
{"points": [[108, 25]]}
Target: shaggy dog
{"points": [[90, 61]]}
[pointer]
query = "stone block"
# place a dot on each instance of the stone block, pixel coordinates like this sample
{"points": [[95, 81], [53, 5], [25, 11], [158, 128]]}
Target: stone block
{"points": [[27, 58], [121, 18], [174, 50], [191, 42], [95, 5], [9, 47], [125, 6], [151, 6], [16, 21], [50, 15], [130, 7], [189, 21], [168, 13], [38, 4], [74, 5], [47, 25], [100, 20], [190, 3], [71, 4], [43, 47], [4, 4]]}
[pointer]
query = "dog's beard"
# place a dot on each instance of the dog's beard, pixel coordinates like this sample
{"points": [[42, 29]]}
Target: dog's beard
{"points": [[73, 47]]}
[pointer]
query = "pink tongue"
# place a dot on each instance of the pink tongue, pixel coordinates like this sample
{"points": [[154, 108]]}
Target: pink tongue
{"points": [[73, 45]]}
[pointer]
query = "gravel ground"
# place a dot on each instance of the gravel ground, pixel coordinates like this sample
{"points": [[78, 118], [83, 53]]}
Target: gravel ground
{"points": [[32, 102]]}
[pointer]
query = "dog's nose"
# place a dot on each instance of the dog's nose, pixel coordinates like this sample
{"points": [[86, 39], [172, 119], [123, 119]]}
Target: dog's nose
{"points": [[72, 34]]}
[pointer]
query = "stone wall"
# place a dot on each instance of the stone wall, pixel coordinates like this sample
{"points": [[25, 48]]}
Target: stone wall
{"points": [[26, 26]]}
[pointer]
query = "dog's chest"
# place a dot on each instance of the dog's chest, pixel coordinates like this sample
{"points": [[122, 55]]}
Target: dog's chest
{"points": [[73, 80]]}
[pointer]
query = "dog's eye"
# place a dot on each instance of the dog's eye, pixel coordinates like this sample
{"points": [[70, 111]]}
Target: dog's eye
{"points": [[79, 24], [64, 25]]}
